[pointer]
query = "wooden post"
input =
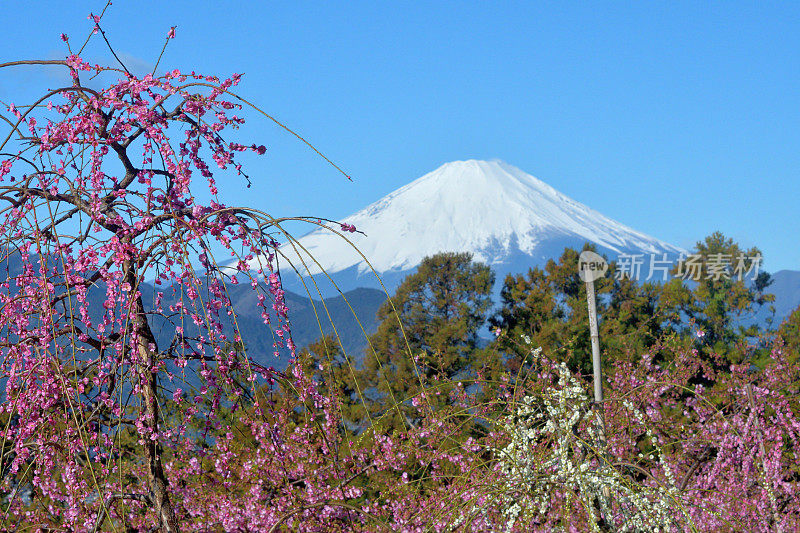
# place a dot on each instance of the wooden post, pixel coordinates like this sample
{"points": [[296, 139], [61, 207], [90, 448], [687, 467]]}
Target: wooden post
{"points": [[598, 374], [591, 266]]}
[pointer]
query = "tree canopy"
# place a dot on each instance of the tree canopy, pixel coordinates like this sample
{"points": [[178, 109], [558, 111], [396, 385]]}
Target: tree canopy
{"points": [[428, 329]]}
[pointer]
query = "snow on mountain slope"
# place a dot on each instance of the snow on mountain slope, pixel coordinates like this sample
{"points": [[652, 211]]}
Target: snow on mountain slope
{"points": [[489, 208]]}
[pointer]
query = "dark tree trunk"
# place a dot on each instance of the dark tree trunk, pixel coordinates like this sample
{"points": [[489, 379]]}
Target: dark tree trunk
{"points": [[148, 381]]}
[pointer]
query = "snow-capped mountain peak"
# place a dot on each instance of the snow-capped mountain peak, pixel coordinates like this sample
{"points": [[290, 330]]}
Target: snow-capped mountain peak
{"points": [[502, 215]]}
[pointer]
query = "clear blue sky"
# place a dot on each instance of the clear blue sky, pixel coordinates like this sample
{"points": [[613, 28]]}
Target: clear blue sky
{"points": [[675, 118]]}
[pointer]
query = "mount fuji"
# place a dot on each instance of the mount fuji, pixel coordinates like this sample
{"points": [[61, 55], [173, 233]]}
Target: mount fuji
{"points": [[505, 217]]}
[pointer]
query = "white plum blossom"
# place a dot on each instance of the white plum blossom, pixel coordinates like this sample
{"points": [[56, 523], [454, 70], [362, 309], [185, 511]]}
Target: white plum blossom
{"points": [[575, 463]]}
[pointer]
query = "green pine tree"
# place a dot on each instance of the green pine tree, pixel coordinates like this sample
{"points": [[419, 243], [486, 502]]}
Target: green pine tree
{"points": [[719, 295], [427, 336]]}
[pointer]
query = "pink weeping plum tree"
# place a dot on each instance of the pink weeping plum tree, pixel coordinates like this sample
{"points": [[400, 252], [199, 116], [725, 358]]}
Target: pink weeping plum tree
{"points": [[103, 241]]}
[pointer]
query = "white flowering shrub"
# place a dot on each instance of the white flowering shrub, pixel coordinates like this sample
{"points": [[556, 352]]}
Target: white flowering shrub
{"points": [[555, 470]]}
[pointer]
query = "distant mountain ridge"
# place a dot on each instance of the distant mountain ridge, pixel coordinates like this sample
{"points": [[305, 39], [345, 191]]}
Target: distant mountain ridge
{"points": [[786, 288], [353, 314]]}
